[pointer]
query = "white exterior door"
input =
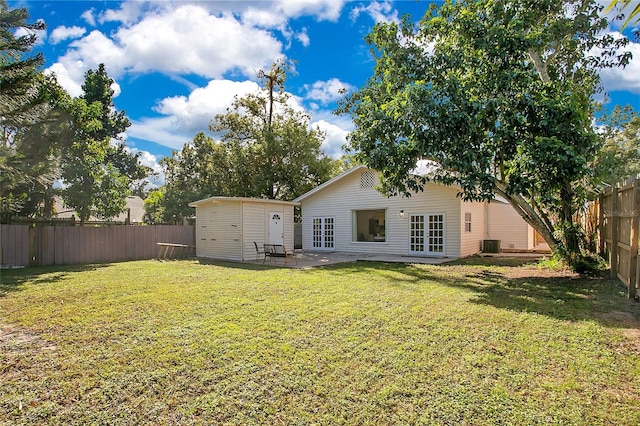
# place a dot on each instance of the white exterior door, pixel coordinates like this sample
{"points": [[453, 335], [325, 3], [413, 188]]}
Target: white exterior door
{"points": [[276, 228], [426, 234], [323, 233]]}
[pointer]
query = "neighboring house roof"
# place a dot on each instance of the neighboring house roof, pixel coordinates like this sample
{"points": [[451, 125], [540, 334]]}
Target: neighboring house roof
{"points": [[134, 209], [242, 199], [330, 182]]}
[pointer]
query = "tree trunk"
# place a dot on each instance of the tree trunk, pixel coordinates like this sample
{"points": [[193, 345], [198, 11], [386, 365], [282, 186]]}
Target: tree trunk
{"points": [[536, 219], [572, 241]]}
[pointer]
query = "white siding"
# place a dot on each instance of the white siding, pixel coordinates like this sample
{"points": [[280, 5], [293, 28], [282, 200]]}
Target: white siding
{"points": [[506, 225], [288, 227], [219, 230], [342, 197], [471, 242], [256, 226]]}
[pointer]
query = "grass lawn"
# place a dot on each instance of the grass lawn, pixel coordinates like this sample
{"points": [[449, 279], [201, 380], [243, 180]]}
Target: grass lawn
{"points": [[186, 342]]}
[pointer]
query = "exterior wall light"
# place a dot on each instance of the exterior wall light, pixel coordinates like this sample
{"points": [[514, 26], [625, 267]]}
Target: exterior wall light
{"points": [[401, 213]]}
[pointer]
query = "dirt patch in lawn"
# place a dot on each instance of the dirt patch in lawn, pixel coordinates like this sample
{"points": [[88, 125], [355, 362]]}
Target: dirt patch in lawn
{"points": [[625, 320], [527, 271], [17, 341]]}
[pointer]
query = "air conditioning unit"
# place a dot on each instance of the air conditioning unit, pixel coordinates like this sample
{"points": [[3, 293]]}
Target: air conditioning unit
{"points": [[491, 246]]}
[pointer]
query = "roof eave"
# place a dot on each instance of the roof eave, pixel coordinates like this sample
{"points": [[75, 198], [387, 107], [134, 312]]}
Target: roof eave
{"points": [[328, 183], [243, 200]]}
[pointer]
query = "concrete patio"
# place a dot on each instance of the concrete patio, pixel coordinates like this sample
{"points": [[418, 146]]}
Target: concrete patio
{"points": [[304, 260]]}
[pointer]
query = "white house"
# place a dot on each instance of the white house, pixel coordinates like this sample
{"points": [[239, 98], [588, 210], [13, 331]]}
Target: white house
{"points": [[348, 214], [227, 227]]}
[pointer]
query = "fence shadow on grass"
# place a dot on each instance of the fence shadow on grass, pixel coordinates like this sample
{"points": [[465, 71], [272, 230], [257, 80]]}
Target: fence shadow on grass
{"points": [[13, 280]]}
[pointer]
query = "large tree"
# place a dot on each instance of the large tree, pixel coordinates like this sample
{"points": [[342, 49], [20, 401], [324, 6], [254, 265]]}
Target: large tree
{"points": [[277, 154], [498, 95], [30, 123], [266, 149], [202, 168], [98, 171]]}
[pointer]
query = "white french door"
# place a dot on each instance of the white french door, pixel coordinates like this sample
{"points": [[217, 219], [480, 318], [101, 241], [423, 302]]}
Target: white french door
{"points": [[426, 234], [323, 233]]}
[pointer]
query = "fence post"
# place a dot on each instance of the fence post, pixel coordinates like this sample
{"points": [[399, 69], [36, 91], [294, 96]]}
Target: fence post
{"points": [[33, 243], [601, 230], [614, 233], [633, 255]]}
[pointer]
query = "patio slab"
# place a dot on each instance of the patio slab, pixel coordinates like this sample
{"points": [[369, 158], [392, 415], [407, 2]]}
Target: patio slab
{"points": [[306, 260], [313, 259]]}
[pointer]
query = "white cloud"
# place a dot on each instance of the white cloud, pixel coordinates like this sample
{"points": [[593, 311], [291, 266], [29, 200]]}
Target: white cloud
{"points": [[264, 18], [328, 10], [84, 54], [67, 77], [216, 45], [627, 78], [89, 17], [184, 116], [303, 37], [149, 160], [64, 33], [378, 11], [193, 114], [276, 15], [327, 91], [129, 12], [164, 131], [191, 41], [336, 137]]}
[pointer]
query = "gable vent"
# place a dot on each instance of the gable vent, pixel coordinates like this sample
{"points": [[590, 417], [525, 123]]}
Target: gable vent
{"points": [[366, 179]]}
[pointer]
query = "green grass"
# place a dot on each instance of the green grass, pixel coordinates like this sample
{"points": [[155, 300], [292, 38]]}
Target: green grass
{"points": [[186, 342]]}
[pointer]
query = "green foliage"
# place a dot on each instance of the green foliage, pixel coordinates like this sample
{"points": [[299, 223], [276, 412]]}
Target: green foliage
{"points": [[589, 264], [619, 157], [17, 72], [498, 95], [275, 153], [98, 171], [31, 125], [266, 150], [201, 169], [154, 206]]}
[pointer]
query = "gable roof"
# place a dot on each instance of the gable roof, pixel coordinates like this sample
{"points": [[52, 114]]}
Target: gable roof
{"points": [[330, 182], [241, 199], [422, 168]]}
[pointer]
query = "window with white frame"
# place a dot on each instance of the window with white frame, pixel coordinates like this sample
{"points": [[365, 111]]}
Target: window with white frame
{"points": [[369, 225], [467, 222]]}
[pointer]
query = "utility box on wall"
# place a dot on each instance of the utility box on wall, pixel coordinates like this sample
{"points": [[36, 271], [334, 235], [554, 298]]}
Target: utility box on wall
{"points": [[491, 246]]}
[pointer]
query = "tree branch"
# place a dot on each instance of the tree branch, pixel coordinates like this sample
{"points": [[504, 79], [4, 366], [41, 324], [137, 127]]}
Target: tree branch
{"points": [[540, 66], [529, 214]]}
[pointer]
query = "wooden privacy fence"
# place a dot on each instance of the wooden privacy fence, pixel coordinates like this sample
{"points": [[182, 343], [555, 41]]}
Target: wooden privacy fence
{"points": [[24, 245], [618, 225]]}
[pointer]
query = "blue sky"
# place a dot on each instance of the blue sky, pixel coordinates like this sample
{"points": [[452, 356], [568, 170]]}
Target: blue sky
{"points": [[179, 63]]}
